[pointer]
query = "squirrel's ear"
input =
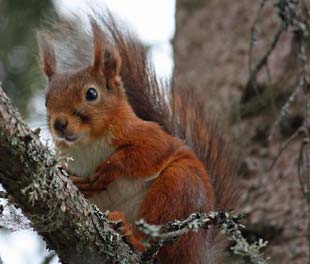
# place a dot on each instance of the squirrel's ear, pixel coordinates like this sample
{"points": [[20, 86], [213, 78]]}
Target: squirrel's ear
{"points": [[112, 64], [106, 61], [47, 55]]}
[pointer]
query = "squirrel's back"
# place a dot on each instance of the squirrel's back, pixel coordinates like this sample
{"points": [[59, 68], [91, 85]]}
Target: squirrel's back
{"points": [[179, 112]]}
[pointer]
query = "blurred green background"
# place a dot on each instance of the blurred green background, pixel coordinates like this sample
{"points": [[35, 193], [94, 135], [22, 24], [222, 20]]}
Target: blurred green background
{"points": [[19, 67]]}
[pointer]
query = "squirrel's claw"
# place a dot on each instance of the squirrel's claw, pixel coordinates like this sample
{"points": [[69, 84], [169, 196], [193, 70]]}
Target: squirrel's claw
{"points": [[90, 194], [89, 183], [96, 183], [76, 179], [85, 186]]}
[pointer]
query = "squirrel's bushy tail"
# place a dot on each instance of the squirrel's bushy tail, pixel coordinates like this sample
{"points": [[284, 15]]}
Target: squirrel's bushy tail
{"points": [[178, 111]]}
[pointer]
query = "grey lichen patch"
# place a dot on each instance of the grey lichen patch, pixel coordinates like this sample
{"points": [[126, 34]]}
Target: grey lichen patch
{"points": [[231, 227], [227, 222], [108, 238]]}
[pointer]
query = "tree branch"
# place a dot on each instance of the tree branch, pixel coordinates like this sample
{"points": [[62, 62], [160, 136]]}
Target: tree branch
{"points": [[227, 222], [69, 224]]}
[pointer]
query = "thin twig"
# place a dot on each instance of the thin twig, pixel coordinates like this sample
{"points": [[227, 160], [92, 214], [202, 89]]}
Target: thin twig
{"points": [[283, 147], [285, 108], [263, 61], [227, 222], [253, 33]]}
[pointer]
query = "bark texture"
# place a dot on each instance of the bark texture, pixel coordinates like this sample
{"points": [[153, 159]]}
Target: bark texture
{"points": [[211, 49], [69, 224]]}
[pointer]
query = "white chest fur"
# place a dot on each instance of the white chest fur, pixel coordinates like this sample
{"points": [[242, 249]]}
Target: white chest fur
{"points": [[85, 159], [123, 195]]}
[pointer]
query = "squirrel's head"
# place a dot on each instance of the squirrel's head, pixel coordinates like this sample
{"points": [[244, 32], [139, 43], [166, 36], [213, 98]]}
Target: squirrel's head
{"points": [[82, 104]]}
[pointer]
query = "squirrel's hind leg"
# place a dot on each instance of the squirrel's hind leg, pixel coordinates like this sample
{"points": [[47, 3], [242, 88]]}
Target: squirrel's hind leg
{"points": [[126, 229]]}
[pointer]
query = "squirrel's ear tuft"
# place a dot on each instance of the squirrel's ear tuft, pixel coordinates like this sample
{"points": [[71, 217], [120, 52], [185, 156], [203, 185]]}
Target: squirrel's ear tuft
{"points": [[47, 55], [107, 61], [112, 64]]}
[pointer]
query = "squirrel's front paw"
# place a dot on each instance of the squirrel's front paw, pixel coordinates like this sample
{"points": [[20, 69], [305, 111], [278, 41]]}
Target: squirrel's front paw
{"points": [[85, 185], [94, 184]]}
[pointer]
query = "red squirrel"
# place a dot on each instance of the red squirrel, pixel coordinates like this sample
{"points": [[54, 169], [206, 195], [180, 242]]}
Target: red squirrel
{"points": [[133, 151]]}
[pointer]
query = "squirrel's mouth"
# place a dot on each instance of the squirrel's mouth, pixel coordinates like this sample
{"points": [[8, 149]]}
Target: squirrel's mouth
{"points": [[71, 138], [67, 139]]}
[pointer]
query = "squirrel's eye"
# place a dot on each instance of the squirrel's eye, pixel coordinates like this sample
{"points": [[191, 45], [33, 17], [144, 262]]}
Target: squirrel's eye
{"points": [[91, 94]]}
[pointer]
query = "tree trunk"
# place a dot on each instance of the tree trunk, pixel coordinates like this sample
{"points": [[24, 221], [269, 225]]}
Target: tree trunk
{"points": [[69, 224], [211, 51]]}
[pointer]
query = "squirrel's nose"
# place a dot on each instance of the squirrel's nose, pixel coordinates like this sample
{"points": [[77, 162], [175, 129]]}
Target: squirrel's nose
{"points": [[60, 124]]}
